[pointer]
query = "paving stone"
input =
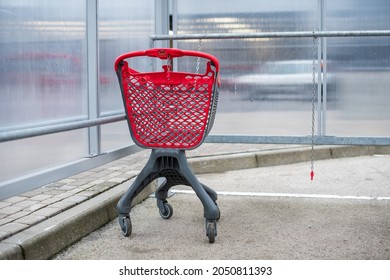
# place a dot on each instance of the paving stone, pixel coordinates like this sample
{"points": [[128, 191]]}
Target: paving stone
{"points": [[113, 174], [117, 180], [4, 235], [19, 214], [76, 190], [36, 207], [4, 204], [15, 199], [33, 192], [67, 180], [76, 198], [52, 200], [10, 210], [67, 187], [31, 219], [89, 193], [40, 197], [64, 205], [83, 181], [12, 228], [48, 211], [53, 185], [53, 191], [64, 195], [103, 186], [4, 221], [26, 203]]}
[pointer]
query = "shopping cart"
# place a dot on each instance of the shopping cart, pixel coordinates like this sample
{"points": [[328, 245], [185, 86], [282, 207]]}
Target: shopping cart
{"points": [[169, 112]]}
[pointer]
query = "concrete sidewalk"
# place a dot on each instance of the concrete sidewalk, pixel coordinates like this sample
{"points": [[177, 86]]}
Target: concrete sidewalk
{"points": [[39, 224]]}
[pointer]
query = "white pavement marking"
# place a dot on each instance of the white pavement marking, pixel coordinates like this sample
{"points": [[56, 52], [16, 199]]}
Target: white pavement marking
{"points": [[292, 195]]}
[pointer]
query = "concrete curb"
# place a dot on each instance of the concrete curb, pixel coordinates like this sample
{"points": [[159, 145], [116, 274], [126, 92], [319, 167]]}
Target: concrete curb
{"points": [[53, 235], [215, 164]]}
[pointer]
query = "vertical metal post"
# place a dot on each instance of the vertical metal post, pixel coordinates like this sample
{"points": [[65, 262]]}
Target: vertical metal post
{"points": [[319, 74], [324, 68], [94, 141], [161, 27], [162, 21]]}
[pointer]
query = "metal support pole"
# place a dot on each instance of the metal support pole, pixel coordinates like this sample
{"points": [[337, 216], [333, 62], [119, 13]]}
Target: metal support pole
{"points": [[94, 140], [258, 35], [161, 26], [27, 132], [324, 69]]}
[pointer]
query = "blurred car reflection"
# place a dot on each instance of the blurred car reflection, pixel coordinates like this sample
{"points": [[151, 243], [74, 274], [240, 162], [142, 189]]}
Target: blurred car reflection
{"points": [[284, 80], [45, 70]]}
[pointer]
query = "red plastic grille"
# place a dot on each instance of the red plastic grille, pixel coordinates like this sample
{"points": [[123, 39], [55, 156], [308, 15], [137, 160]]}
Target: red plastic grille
{"points": [[168, 109]]}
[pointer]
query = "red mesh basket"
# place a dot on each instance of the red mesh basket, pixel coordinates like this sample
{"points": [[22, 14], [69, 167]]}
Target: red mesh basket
{"points": [[169, 109]]}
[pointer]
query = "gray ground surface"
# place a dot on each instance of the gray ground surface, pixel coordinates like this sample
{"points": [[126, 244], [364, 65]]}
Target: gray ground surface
{"points": [[267, 213]]}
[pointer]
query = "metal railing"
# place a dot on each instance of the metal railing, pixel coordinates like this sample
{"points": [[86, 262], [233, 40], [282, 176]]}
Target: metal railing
{"points": [[319, 139], [11, 134], [260, 35], [56, 128]]}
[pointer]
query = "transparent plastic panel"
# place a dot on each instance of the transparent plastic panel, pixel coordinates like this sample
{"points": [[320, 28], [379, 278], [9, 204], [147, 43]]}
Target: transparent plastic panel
{"points": [[27, 156], [43, 81], [116, 135], [124, 26], [42, 73], [359, 68], [266, 83]]}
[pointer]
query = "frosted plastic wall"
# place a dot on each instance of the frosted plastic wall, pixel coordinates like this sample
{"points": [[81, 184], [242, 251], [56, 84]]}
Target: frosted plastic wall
{"points": [[267, 84], [43, 81], [246, 105], [360, 68], [123, 27]]}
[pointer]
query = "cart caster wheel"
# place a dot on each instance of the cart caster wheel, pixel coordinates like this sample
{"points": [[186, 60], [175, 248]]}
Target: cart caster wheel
{"points": [[125, 224], [168, 211], [211, 231]]}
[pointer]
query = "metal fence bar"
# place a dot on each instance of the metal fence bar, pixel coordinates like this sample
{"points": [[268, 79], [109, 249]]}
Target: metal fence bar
{"points": [[304, 140], [50, 129], [259, 35]]}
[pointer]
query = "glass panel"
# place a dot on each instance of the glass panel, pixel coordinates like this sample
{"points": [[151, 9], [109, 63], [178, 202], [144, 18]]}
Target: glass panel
{"points": [[116, 135], [26, 156], [359, 97], [41, 66], [266, 83], [124, 26], [42, 78]]}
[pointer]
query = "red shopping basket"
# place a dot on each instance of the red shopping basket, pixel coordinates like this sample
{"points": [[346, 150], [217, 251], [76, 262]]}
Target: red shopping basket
{"points": [[169, 109]]}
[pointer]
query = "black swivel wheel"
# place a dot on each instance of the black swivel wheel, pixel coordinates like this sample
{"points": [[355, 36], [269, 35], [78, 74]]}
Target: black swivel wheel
{"points": [[168, 211], [125, 224]]}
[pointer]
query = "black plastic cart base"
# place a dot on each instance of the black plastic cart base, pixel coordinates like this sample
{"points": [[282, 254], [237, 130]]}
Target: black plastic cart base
{"points": [[172, 165]]}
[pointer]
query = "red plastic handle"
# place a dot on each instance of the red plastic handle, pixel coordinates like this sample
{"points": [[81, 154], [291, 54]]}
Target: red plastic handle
{"points": [[164, 53]]}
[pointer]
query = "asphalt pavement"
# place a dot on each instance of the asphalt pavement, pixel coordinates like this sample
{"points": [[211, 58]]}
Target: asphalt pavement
{"points": [[268, 212]]}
